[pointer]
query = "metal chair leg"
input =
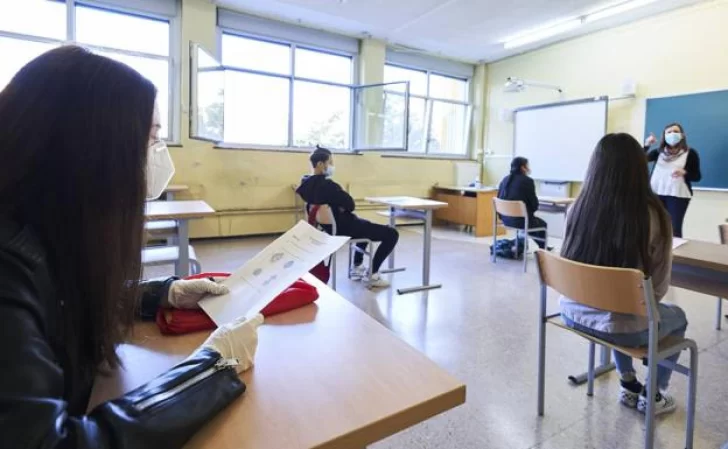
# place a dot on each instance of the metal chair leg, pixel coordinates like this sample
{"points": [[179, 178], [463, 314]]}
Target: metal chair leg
{"points": [[719, 315], [542, 353], [351, 260], [650, 412], [692, 392], [333, 271], [590, 372], [525, 251]]}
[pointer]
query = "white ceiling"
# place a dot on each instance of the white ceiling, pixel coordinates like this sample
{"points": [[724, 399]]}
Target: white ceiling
{"points": [[469, 30]]}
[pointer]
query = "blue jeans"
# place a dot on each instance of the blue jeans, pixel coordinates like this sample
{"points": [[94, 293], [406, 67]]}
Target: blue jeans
{"points": [[672, 323]]}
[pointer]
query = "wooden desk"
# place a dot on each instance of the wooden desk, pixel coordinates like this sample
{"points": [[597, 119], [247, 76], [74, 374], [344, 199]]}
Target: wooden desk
{"points": [[411, 203], [326, 376], [182, 212], [172, 189], [467, 206]]}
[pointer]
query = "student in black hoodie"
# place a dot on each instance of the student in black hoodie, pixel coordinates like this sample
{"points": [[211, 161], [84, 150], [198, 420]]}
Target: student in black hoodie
{"points": [[518, 186], [318, 188]]}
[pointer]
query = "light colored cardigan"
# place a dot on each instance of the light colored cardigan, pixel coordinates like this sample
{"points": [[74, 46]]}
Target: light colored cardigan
{"points": [[619, 323]]}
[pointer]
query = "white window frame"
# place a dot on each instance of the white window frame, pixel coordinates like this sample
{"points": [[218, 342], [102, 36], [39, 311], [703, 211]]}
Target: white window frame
{"points": [[174, 119], [428, 109], [292, 78]]}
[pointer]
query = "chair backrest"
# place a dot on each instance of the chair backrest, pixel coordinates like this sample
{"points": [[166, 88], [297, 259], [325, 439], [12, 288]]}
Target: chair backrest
{"points": [[510, 208], [619, 290], [324, 215], [723, 230]]}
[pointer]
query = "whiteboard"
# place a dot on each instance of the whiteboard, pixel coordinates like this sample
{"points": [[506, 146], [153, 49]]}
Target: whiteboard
{"points": [[558, 139]]}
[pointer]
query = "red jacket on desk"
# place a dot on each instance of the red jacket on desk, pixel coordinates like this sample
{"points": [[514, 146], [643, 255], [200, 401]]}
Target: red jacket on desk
{"points": [[184, 321]]}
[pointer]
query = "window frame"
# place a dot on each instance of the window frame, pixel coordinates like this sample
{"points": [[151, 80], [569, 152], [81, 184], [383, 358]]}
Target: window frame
{"points": [[292, 78], [174, 71], [429, 100]]}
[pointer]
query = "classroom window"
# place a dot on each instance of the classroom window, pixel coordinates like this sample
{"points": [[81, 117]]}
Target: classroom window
{"points": [[299, 97], [439, 110], [32, 27]]}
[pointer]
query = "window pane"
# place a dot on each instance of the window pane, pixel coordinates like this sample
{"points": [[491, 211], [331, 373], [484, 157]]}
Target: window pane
{"points": [[448, 128], [321, 115], [256, 55], [417, 130], [121, 31], [156, 71], [323, 66], [417, 79], [15, 54], [36, 17], [448, 88], [256, 109]]}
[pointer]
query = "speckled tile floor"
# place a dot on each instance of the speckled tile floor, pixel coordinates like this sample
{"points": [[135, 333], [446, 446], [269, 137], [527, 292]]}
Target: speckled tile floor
{"points": [[482, 327]]}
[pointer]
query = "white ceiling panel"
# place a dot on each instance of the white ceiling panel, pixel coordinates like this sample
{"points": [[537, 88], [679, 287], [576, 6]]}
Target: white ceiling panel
{"points": [[469, 30]]}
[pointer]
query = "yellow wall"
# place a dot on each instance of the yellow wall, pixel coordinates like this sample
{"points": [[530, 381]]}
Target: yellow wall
{"points": [[679, 52], [251, 190]]}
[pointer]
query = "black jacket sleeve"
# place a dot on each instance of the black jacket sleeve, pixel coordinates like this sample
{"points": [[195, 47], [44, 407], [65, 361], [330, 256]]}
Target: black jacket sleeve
{"points": [[529, 195], [154, 291], [33, 414], [337, 197], [692, 167], [652, 155]]}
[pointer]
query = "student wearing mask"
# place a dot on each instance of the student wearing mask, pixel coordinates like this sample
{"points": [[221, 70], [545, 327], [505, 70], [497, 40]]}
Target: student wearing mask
{"points": [[518, 186], [79, 159], [320, 189], [676, 167], [630, 230]]}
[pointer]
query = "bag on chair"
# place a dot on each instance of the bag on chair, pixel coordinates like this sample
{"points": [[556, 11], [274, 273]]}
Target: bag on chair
{"points": [[322, 270]]}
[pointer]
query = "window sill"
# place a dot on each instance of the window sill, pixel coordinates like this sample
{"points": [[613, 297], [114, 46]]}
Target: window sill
{"points": [[274, 149], [443, 157]]}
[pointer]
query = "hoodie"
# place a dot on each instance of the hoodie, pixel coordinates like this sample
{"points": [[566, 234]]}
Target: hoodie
{"points": [[318, 189]]}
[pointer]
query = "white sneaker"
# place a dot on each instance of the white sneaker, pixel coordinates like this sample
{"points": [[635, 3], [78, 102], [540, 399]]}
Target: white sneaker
{"points": [[663, 404], [359, 273], [628, 397], [376, 281]]}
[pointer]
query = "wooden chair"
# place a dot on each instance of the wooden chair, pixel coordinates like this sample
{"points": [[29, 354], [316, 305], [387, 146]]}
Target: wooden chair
{"points": [[325, 216], [617, 290], [723, 233], [514, 209]]}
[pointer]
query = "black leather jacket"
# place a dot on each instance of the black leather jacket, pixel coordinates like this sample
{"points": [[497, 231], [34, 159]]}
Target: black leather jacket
{"points": [[43, 404]]}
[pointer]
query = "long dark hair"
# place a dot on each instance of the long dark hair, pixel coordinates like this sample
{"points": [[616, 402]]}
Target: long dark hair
{"points": [[609, 224], [517, 165], [683, 145], [73, 140]]}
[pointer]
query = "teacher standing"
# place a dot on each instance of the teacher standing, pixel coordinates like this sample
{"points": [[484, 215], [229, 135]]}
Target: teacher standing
{"points": [[676, 167]]}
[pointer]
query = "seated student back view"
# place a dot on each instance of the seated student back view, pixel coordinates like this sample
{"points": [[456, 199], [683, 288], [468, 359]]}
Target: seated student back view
{"points": [[318, 188]]}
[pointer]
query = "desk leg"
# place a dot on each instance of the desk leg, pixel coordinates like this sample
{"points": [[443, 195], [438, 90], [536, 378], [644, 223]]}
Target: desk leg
{"points": [[182, 267], [604, 367], [426, 252], [390, 263]]}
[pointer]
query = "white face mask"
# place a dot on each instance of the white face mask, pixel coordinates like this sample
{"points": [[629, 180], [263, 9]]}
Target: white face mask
{"points": [[160, 170], [330, 171]]}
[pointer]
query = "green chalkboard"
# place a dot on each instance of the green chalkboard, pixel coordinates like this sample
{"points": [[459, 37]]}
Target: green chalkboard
{"points": [[705, 119]]}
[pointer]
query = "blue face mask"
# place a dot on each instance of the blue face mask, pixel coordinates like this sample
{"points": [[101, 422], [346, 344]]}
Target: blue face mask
{"points": [[673, 139]]}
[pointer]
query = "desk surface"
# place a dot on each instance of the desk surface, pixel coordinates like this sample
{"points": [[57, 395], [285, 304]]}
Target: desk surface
{"points": [[327, 376], [174, 188], [695, 253], [406, 202], [177, 210], [559, 201], [467, 189]]}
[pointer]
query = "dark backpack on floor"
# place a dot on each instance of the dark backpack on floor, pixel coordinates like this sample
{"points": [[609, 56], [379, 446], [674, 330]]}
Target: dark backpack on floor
{"points": [[509, 248]]}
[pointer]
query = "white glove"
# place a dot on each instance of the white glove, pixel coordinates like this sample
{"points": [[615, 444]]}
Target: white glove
{"points": [[186, 294], [236, 340]]}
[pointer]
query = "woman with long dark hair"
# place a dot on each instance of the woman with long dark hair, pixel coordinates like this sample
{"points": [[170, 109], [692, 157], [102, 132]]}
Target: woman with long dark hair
{"points": [[676, 167], [618, 221], [75, 135], [518, 186]]}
